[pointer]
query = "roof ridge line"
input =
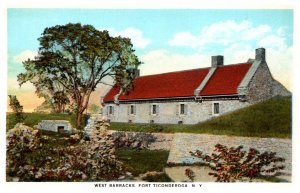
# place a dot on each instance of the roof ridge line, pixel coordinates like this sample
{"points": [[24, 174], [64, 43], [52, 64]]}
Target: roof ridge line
{"points": [[174, 72], [193, 69]]}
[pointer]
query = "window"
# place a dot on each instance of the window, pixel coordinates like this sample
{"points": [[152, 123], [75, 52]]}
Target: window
{"points": [[151, 121], [154, 109], [129, 121], [110, 110], [216, 108], [180, 122], [183, 109], [132, 109]]}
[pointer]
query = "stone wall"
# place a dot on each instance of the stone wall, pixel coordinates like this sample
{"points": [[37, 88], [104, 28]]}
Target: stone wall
{"points": [[262, 86], [279, 89], [168, 112], [184, 143]]}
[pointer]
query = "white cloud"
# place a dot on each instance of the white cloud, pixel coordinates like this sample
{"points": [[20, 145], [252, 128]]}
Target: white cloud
{"points": [[184, 39], [223, 33], [281, 31], [253, 33], [280, 63], [273, 41], [238, 53], [279, 60], [24, 56], [160, 61], [134, 34], [239, 41]]}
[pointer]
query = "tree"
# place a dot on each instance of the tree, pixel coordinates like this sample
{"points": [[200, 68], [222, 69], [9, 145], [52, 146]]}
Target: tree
{"points": [[76, 58], [16, 107], [94, 108], [60, 100]]}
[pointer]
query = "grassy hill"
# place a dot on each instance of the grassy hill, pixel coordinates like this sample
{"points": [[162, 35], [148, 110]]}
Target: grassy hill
{"points": [[271, 118], [32, 119]]}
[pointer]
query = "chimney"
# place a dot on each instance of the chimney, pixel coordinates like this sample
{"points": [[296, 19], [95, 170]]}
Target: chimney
{"points": [[217, 61], [260, 54]]}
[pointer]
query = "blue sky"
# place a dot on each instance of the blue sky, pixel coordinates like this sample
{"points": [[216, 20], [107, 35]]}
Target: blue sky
{"points": [[165, 40]]}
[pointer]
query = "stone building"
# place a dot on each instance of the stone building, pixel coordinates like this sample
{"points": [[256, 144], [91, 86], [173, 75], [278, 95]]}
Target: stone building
{"points": [[61, 126], [192, 96]]}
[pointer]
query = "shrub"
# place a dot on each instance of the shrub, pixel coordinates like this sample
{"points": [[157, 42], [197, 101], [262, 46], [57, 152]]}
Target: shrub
{"points": [[88, 160], [20, 141], [232, 164]]}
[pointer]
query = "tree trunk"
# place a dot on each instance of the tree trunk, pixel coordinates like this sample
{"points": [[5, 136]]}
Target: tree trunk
{"points": [[82, 105], [79, 119]]}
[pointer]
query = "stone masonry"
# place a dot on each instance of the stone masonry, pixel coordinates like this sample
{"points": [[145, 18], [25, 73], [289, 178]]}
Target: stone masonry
{"points": [[168, 112], [184, 143], [55, 125]]}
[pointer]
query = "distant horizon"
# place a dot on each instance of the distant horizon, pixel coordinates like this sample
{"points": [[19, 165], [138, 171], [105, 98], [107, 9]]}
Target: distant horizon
{"points": [[164, 40]]}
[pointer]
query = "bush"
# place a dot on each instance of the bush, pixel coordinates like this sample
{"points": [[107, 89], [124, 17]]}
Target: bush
{"points": [[20, 141], [232, 164], [88, 160]]}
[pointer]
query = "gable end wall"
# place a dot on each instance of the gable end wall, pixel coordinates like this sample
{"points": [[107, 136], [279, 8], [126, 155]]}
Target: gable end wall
{"points": [[262, 86]]}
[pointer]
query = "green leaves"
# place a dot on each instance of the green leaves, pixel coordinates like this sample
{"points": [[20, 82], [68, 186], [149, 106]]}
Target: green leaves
{"points": [[76, 58], [17, 108]]}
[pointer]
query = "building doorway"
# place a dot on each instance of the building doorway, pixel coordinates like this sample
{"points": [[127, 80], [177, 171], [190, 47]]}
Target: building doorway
{"points": [[60, 129]]}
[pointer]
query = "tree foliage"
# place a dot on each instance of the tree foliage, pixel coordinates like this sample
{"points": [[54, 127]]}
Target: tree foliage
{"points": [[16, 107], [75, 58], [93, 108], [232, 164]]}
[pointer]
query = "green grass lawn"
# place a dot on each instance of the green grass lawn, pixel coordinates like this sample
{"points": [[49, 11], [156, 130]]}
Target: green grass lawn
{"points": [[271, 118], [32, 119], [140, 161]]}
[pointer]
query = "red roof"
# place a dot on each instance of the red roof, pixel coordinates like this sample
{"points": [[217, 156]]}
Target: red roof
{"points": [[224, 81], [173, 84]]}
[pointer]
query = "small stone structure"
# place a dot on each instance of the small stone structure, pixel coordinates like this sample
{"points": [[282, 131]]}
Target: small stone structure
{"points": [[61, 126]]}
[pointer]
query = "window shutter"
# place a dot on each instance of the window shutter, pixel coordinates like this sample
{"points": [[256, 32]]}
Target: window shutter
{"points": [[177, 109], [128, 109], [157, 109], [185, 109], [150, 108], [106, 110], [134, 109], [113, 110]]}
